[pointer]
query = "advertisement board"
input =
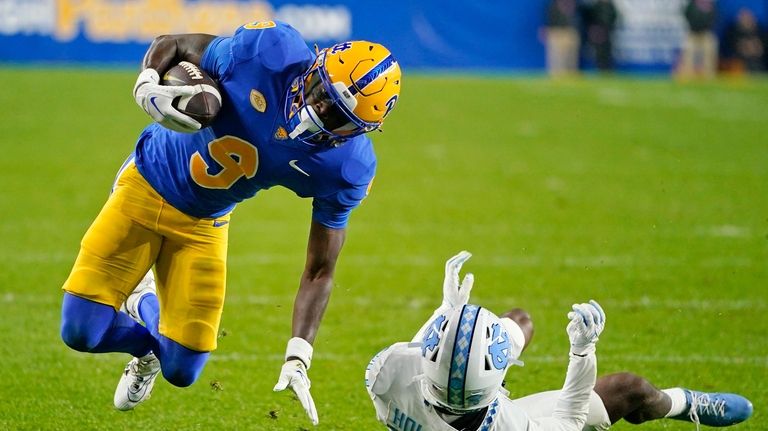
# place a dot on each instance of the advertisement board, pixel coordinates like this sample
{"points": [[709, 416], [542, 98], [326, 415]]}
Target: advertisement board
{"points": [[430, 35]]}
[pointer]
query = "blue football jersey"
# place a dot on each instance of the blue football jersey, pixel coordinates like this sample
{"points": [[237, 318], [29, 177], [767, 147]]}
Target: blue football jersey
{"points": [[247, 148]]}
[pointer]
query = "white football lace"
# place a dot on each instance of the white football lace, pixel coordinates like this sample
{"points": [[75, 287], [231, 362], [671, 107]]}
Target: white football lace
{"points": [[702, 403]]}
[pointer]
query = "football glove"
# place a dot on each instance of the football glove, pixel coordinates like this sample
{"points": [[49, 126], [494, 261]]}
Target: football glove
{"points": [[587, 322], [156, 100], [456, 294], [294, 375]]}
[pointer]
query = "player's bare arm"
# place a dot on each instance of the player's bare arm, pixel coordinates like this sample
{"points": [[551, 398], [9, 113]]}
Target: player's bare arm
{"points": [[317, 280], [170, 49], [308, 308]]}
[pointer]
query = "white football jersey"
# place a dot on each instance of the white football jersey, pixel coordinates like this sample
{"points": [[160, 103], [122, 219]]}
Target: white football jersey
{"points": [[393, 380]]}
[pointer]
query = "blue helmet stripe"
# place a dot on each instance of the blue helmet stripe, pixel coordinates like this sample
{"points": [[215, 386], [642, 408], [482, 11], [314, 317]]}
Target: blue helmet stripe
{"points": [[460, 358], [372, 74]]}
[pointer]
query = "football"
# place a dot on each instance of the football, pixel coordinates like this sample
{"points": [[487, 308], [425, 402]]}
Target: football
{"points": [[205, 103]]}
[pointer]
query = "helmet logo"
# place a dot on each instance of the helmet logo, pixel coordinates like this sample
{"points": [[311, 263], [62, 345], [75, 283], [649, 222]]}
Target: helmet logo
{"points": [[432, 336], [341, 47], [499, 347], [390, 104]]}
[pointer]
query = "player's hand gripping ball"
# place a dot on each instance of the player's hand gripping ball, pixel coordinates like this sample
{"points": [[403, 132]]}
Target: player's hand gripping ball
{"points": [[205, 102]]}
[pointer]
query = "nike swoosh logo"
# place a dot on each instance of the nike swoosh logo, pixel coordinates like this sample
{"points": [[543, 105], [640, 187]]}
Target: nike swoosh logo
{"points": [[219, 223], [293, 164], [152, 101]]}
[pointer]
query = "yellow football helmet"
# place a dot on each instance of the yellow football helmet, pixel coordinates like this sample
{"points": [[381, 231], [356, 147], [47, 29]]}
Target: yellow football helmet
{"points": [[348, 91]]}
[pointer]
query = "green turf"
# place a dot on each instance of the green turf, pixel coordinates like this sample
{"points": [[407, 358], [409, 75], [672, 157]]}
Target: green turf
{"points": [[648, 195]]}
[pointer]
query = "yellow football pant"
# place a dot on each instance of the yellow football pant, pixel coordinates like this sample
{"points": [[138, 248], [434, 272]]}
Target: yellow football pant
{"points": [[136, 229]]}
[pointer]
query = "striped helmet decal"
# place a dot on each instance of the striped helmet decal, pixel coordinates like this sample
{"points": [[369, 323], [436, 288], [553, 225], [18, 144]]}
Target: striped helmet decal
{"points": [[372, 74], [460, 358]]}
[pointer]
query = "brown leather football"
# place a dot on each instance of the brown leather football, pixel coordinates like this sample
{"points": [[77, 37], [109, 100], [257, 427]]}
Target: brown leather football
{"points": [[205, 103]]}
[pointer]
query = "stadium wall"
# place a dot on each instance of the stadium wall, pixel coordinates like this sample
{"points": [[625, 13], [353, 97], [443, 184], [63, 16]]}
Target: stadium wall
{"points": [[426, 34]]}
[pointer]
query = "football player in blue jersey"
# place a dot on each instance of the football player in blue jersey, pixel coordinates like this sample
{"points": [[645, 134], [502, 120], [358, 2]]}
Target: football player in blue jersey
{"points": [[450, 376], [290, 117]]}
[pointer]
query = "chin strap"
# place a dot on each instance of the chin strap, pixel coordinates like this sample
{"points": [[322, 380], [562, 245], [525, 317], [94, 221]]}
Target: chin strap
{"points": [[308, 120]]}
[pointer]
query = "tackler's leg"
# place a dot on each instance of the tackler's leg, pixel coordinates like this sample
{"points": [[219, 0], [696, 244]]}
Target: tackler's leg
{"points": [[715, 409], [632, 398]]}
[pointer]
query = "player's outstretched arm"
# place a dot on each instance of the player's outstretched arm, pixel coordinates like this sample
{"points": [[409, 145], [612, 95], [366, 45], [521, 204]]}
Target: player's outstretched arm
{"points": [[586, 323], [156, 99], [308, 309], [316, 282]]}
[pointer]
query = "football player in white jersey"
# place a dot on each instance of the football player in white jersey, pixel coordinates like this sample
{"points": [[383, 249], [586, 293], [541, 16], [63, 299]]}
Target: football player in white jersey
{"points": [[449, 377]]}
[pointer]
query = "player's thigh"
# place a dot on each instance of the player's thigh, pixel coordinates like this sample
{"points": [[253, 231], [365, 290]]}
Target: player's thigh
{"points": [[191, 277], [116, 251]]}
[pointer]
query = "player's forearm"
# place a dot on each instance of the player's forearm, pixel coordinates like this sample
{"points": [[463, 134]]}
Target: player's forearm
{"points": [[167, 50], [310, 304], [323, 249], [573, 403]]}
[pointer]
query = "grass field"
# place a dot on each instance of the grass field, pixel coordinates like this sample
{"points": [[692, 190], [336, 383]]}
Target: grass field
{"points": [[648, 195]]}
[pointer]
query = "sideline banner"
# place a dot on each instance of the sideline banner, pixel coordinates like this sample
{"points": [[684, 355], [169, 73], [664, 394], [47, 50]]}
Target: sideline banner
{"points": [[487, 35]]}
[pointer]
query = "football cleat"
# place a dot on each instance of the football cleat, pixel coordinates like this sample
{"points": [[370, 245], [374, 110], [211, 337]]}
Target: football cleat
{"points": [[715, 409], [146, 286], [137, 381], [355, 85]]}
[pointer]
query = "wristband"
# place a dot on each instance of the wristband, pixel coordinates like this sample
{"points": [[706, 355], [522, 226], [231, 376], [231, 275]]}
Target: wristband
{"points": [[583, 351], [300, 349]]}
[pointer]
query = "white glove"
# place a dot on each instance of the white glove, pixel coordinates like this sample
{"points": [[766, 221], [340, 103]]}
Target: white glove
{"points": [[156, 99], [455, 294], [294, 375], [586, 323]]}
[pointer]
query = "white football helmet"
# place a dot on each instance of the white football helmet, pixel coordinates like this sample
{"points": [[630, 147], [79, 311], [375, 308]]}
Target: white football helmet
{"points": [[465, 354]]}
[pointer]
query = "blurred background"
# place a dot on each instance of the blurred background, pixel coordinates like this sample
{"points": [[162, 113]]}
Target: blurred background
{"points": [[688, 37]]}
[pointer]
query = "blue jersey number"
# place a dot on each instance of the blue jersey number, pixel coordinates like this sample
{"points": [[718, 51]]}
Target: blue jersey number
{"points": [[237, 158], [260, 25]]}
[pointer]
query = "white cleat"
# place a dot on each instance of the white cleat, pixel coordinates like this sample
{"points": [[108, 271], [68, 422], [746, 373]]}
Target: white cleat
{"points": [[136, 382], [146, 286]]}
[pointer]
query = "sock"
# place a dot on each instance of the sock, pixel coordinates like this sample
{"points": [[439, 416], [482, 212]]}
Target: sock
{"points": [[679, 402], [149, 311]]}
